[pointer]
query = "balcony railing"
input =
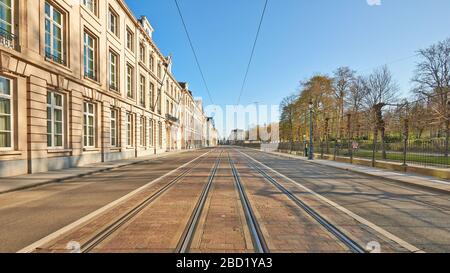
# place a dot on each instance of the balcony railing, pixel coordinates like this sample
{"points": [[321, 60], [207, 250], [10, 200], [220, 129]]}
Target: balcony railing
{"points": [[171, 118], [8, 39], [55, 58]]}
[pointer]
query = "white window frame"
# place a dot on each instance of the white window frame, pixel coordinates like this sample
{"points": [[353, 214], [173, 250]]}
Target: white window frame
{"points": [[142, 132], [142, 85], [113, 25], [142, 50], [152, 63], [130, 76], [114, 128], [87, 48], [52, 107], [51, 48], [91, 5], [129, 130], [113, 69], [9, 97], [10, 24], [130, 40], [151, 96], [150, 133], [86, 125]]}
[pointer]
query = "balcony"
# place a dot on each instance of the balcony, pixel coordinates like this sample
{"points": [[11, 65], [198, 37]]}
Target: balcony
{"points": [[171, 118], [55, 58], [7, 39]]}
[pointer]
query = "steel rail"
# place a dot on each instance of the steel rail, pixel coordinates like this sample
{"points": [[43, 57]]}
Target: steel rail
{"points": [[351, 244], [188, 235], [259, 243], [113, 227]]}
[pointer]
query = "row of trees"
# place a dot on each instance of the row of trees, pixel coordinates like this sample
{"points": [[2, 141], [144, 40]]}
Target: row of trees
{"points": [[350, 106]]}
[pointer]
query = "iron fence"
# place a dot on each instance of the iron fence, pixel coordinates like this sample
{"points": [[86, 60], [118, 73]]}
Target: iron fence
{"points": [[429, 153]]}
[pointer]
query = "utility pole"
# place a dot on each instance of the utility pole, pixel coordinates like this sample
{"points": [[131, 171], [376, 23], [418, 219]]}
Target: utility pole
{"points": [[311, 129]]}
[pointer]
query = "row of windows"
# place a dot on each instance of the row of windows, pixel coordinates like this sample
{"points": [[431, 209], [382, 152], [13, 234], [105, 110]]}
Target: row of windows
{"points": [[55, 40], [89, 133], [56, 122], [55, 45]]}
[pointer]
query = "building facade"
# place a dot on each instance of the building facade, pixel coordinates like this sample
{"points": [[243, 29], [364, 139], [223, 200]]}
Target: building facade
{"points": [[83, 82]]}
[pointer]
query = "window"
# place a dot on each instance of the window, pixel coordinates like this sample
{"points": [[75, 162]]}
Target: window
{"points": [[6, 15], [142, 53], [89, 125], [130, 74], [113, 125], [7, 38], [54, 34], [152, 63], [113, 71], [150, 133], [142, 91], [90, 56], [151, 96], [130, 39], [55, 120], [6, 113], [167, 107], [113, 22], [159, 71], [159, 101], [91, 5], [160, 131], [142, 131], [129, 126]]}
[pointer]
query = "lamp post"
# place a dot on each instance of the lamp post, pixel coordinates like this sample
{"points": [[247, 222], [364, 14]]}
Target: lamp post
{"points": [[311, 141]]}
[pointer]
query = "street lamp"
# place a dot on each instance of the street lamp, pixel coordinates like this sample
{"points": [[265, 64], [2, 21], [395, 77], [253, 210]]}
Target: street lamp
{"points": [[311, 141]]}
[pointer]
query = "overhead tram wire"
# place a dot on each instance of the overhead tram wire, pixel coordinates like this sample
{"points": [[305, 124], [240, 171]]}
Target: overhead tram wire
{"points": [[193, 51], [253, 52]]}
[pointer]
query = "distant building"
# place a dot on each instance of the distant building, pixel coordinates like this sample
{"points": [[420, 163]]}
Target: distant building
{"points": [[236, 136]]}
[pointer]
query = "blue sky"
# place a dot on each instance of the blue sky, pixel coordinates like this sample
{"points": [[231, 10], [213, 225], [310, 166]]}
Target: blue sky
{"points": [[298, 39]]}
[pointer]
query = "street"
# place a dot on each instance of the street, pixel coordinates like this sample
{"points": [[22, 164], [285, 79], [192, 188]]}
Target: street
{"points": [[228, 200]]}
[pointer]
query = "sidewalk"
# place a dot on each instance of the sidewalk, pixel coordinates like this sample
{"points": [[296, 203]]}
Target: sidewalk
{"points": [[406, 178], [16, 183]]}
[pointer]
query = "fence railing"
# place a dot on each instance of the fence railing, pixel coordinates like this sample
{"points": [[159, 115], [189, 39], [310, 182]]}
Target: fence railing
{"points": [[8, 39], [429, 153]]}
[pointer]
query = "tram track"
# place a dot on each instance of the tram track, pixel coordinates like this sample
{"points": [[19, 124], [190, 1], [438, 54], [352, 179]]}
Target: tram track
{"points": [[109, 230], [188, 234], [338, 234], [258, 240]]}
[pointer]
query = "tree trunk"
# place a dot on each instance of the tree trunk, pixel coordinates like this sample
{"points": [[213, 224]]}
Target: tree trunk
{"points": [[447, 137], [374, 148], [383, 142]]}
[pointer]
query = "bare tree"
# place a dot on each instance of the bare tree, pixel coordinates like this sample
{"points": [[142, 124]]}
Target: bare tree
{"points": [[287, 118], [432, 77], [381, 90], [354, 99], [342, 81]]}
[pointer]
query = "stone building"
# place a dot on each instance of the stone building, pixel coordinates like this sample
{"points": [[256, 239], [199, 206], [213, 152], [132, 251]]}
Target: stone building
{"points": [[83, 82]]}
